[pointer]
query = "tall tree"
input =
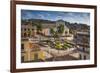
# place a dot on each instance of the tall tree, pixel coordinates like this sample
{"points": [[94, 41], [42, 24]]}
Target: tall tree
{"points": [[60, 29], [39, 28], [54, 34], [52, 31]]}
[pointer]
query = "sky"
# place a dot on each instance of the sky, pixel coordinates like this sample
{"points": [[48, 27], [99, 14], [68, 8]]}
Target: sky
{"points": [[73, 17]]}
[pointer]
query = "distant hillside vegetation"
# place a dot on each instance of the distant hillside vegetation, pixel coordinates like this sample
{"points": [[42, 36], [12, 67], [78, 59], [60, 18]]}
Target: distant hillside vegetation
{"points": [[71, 26]]}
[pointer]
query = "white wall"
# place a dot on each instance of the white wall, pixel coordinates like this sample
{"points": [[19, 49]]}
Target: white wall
{"points": [[5, 36]]}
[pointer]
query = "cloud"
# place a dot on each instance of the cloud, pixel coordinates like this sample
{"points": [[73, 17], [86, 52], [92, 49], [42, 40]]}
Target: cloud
{"points": [[79, 17]]}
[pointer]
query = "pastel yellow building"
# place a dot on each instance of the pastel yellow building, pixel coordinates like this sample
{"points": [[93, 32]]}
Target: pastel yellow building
{"points": [[31, 52]]}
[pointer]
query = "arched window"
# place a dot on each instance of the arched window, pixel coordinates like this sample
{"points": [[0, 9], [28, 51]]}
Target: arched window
{"points": [[22, 46], [28, 34], [22, 59], [80, 56], [25, 35]]}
